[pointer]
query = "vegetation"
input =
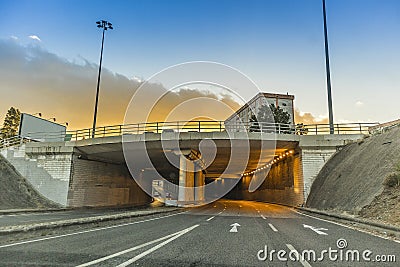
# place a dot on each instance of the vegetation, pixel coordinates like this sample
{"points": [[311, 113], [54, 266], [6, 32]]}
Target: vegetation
{"points": [[11, 123], [277, 115], [393, 180]]}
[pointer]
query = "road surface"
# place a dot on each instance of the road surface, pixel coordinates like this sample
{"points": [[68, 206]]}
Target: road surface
{"points": [[224, 233]]}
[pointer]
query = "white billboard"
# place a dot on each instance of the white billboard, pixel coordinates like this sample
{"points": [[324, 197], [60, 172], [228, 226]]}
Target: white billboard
{"points": [[40, 129]]}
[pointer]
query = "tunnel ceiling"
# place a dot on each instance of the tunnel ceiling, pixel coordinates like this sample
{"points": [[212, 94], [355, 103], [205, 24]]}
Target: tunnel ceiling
{"points": [[113, 153]]}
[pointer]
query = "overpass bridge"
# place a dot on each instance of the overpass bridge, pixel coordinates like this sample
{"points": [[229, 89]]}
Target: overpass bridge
{"points": [[280, 161]]}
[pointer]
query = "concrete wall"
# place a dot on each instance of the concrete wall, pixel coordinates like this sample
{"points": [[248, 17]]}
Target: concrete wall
{"points": [[47, 170], [95, 183], [312, 161], [57, 173], [316, 150]]}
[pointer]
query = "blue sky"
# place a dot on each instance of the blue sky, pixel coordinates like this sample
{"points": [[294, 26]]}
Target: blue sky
{"points": [[278, 43]]}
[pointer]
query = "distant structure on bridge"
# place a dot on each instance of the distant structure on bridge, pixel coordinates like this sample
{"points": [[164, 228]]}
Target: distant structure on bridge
{"points": [[243, 114]]}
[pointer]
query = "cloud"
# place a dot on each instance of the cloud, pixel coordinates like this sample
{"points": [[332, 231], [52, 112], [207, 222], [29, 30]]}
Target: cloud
{"points": [[308, 118], [15, 38], [359, 104], [36, 80], [35, 37]]}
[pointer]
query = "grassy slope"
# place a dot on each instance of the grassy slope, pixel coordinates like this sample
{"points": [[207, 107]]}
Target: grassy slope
{"points": [[353, 179]]}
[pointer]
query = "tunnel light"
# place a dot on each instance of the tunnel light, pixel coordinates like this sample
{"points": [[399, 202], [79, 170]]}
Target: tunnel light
{"points": [[291, 151]]}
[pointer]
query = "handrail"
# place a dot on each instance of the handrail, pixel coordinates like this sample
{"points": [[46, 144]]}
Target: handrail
{"points": [[14, 141], [191, 126]]}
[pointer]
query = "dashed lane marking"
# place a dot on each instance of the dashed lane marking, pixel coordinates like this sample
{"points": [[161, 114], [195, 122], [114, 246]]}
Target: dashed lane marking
{"points": [[272, 227], [209, 219]]}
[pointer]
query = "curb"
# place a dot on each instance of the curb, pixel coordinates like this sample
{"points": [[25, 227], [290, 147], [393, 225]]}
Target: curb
{"points": [[87, 220], [349, 218]]}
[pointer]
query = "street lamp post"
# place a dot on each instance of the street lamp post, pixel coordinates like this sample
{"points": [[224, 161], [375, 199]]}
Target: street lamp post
{"points": [[105, 25], [328, 72]]}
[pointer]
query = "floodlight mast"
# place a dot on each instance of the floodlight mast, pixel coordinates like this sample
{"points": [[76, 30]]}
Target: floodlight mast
{"points": [[105, 25], [328, 72]]}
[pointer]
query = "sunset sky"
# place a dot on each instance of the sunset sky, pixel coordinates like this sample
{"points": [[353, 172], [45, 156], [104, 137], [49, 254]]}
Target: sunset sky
{"points": [[49, 51]]}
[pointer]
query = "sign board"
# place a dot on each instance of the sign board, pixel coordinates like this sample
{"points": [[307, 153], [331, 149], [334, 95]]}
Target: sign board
{"points": [[39, 129]]}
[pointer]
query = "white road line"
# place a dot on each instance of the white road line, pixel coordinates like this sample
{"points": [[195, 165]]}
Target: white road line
{"points": [[209, 219], [346, 226], [87, 231], [302, 261], [141, 255], [262, 216], [135, 248], [272, 227]]}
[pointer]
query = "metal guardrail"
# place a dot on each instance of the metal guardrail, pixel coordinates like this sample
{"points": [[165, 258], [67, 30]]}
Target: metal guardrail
{"points": [[14, 141], [192, 126]]}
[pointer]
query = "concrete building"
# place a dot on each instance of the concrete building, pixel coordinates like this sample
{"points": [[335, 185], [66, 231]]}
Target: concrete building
{"points": [[244, 114]]}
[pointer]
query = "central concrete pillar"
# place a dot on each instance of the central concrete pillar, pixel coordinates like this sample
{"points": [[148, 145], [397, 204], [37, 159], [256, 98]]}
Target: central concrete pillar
{"points": [[191, 178], [186, 181], [199, 179]]}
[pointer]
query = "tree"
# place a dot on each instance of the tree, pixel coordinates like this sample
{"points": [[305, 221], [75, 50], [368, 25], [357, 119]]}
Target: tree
{"points": [[280, 116], [11, 123], [277, 115]]}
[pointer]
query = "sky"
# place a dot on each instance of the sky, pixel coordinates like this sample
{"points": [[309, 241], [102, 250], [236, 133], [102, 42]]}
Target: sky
{"points": [[49, 53]]}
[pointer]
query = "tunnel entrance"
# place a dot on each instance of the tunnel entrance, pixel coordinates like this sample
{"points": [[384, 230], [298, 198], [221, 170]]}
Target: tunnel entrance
{"points": [[282, 184]]}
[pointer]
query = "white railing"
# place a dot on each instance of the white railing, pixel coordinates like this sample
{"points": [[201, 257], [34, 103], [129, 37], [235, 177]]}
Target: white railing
{"points": [[192, 126]]}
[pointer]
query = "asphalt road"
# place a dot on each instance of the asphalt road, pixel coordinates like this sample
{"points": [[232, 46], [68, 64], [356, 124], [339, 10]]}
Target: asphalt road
{"points": [[225, 233]]}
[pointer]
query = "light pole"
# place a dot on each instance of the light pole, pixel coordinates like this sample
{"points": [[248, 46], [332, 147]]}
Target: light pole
{"points": [[105, 25], [328, 72]]}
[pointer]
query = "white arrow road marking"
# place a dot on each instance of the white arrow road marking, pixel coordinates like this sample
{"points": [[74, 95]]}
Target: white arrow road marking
{"points": [[234, 228], [272, 227], [317, 230], [171, 238], [302, 260]]}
